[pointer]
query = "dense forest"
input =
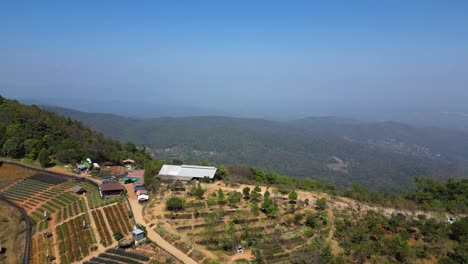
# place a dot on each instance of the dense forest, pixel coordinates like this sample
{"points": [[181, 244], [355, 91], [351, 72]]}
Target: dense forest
{"points": [[32, 133], [380, 156]]}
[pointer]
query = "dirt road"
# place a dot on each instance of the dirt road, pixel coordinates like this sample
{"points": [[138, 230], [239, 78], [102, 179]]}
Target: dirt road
{"points": [[138, 214]]}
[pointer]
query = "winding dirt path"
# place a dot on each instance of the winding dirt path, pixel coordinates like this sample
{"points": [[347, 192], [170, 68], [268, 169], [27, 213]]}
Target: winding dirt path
{"points": [[161, 242]]}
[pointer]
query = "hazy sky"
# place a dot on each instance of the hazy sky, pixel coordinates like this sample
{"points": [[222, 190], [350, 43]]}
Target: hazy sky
{"points": [[258, 57]]}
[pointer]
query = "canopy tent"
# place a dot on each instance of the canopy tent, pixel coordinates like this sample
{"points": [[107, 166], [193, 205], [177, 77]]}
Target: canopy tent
{"points": [[128, 180]]}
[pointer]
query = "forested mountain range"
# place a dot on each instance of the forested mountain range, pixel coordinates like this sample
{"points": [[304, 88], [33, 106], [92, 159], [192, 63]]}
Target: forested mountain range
{"points": [[382, 156]]}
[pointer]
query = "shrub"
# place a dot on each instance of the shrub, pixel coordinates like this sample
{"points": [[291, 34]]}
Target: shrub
{"points": [[118, 235], [175, 204]]}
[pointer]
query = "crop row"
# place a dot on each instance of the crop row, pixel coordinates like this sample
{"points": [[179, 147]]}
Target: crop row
{"points": [[114, 256], [74, 240], [71, 210], [106, 238], [117, 220], [40, 247]]}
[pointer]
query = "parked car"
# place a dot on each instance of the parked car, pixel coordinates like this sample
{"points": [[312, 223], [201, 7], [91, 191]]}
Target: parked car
{"points": [[239, 249]]}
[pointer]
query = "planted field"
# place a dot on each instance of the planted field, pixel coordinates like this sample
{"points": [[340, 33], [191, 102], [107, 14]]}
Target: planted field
{"points": [[13, 172], [25, 189], [119, 256], [118, 218], [42, 249], [75, 239], [102, 229]]}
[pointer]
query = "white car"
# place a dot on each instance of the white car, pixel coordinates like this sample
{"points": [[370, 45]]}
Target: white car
{"points": [[451, 220], [239, 249]]}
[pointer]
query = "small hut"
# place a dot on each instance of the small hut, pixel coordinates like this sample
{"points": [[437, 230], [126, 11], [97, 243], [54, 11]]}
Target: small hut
{"points": [[77, 189], [138, 234]]}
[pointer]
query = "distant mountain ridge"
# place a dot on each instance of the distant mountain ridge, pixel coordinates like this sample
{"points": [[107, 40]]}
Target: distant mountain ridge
{"points": [[379, 155]]}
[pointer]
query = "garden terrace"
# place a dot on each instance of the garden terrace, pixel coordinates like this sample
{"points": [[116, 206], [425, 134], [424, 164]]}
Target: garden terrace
{"points": [[12, 172], [40, 245], [117, 256], [75, 242], [102, 229], [48, 178], [25, 189], [118, 218]]}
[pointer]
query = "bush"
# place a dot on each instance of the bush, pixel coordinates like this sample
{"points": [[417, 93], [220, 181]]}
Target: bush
{"points": [[175, 204], [118, 236], [234, 197], [44, 158]]}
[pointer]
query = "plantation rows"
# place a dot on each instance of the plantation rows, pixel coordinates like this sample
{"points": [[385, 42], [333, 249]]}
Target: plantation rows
{"points": [[64, 204], [25, 189], [71, 210], [119, 256], [40, 245], [74, 240], [5, 183], [118, 218], [101, 226]]}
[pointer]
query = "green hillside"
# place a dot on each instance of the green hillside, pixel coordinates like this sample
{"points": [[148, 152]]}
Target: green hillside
{"points": [[381, 156], [33, 133]]}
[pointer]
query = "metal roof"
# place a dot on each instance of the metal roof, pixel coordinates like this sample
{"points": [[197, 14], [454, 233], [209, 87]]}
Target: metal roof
{"points": [[187, 171], [137, 231], [114, 186]]}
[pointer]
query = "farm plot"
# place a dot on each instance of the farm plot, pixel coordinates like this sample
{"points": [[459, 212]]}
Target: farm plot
{"points": [[102, 229], [42, 249], [118, 218], [25, 189], [119, 256], [75, 239], [13, 172]]}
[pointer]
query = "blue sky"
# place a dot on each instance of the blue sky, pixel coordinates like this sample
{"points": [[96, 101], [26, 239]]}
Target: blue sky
{"points": [[242, 57]]}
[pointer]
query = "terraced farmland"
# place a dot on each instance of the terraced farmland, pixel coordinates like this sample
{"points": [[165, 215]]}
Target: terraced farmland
{"points": [[119, 256], [75, 239], [61, 235]]}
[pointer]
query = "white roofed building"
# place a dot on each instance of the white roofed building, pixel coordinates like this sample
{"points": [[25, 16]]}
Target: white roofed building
{"points": [[186, 172]]}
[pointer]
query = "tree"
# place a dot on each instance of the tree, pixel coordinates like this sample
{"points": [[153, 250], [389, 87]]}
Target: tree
{"points": [[174, 203], [130, 147], [221, 196], [321, 203], [152, 167], [234, 197], [266, 194], [44, 159], [13, 147], [293, 196], [246, 193], [254, 208], [269, 207], [311, 220], [118, 235], [199, 191], [257, 188], [222, 172]]}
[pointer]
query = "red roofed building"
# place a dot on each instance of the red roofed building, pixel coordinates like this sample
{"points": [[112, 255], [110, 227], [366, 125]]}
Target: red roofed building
{"points": [[110, 189]]}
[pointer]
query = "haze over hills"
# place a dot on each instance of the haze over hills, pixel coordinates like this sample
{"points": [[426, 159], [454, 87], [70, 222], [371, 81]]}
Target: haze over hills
{"points": [[379, 155], [445, 117]]}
